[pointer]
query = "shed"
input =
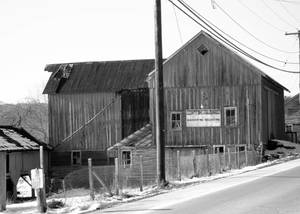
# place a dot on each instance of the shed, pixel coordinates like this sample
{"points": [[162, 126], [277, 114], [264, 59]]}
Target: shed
{"points": [[92, 106], [20, 152], [214, 97]]}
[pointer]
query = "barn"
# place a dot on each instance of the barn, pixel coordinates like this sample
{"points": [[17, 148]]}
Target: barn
{"points": [[292, 118], [92, 106], [19, 153], [214, 99]]}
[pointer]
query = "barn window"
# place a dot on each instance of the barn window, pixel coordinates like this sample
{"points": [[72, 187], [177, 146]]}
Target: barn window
{"points": [[230, 114], [126, 158], [289, 128], [176, 120], [219, 149], [76, 157], [240, 148], [202, 49]]}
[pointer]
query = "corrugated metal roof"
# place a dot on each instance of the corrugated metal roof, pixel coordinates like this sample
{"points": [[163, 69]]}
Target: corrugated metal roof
{"points": [[17, 139], [142, 138], [88, 77]]}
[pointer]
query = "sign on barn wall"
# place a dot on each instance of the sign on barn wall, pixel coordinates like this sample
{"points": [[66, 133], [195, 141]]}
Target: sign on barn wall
{"points": [[37, 181], [203, 117]]}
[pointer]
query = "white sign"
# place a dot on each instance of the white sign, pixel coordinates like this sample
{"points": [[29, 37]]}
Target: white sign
{"points": [[37, 181], [203, 118]]}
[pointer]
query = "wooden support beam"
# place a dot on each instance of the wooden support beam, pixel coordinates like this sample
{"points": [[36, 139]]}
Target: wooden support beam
{"points": [[2, 181]]}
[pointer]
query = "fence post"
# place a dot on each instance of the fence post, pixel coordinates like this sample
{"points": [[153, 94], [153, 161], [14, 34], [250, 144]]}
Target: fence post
{"points": [[64, 188], [220, 162], [229, 158], [246, 156], [92, 192], [178, 165], [2, 181], [41, 195], [117, 176], [207, 162], [238, 158], [194, 163], [141, 173]]}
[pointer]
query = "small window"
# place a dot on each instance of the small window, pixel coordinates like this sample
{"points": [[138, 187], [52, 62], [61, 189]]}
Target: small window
{"points": [[202, 49], [219, 149], [289, 128], [76, 157], [240, 148], [176, 120], [126, 158], [230, 114]]}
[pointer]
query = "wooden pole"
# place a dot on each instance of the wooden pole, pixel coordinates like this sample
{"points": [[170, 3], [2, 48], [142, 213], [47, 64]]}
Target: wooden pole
{"points": [[64, 189], [229, 158], [159, 98], [91, 182], [117, 176], [41, 194], [238, 157], [246, 156], [2, 181], [207, 162], [178, 165], [194, 163], [141, 173]]}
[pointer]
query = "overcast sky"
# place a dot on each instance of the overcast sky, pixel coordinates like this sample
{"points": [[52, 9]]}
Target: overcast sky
{"points": [[34, 33]]}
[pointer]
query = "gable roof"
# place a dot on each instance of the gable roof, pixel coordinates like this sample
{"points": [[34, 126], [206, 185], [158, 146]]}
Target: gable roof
{"points": [[106, 76], [17, 139], [229, 51]]}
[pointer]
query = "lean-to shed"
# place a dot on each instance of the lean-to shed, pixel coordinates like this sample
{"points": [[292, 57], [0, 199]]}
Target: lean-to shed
{"points": [[214, 97], [92, 106]]}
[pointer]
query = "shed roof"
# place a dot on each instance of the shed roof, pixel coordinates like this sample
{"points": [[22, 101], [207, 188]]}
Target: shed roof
{"points": [[142, 138], [106, 76], [17, 139]]}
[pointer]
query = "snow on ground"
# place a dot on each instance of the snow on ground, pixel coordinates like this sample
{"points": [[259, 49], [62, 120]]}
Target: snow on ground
{"points": [[78, 200]]}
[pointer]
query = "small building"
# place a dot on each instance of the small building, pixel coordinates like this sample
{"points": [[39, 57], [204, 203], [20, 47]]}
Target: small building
{"points": [[92, 106], [292, 119], [21, 154], [215, 98]]}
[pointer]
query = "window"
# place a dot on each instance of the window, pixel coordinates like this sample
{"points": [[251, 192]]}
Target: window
{"points": [[176, 120], [218, 149], [240, 148], [76, 157], [230, 116], [202, 49], [126, 158], [288, 128]]}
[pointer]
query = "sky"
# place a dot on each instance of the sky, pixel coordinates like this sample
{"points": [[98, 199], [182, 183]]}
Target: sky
{"points": [[34, 33]]}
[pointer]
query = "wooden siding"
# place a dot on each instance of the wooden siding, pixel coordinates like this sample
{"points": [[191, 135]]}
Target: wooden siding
{"points": [[215, 80], [68, 112], [135, 110]]}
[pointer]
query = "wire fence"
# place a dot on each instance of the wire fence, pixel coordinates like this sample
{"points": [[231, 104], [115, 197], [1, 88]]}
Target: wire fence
{"points": [[139, 171]]}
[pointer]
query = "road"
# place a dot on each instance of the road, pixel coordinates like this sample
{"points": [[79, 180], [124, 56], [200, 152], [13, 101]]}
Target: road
{"points": [[270, 190]]}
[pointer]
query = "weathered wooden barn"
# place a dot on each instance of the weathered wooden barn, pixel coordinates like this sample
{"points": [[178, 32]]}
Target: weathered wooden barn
{"points": [[92, 106], [20, 152], [292, 119], [215, 99]]}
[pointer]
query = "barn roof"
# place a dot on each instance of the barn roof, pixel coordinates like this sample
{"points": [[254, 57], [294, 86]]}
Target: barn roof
{"points": [[106, 76], [17, 139], [142, 138], [229, 50]]}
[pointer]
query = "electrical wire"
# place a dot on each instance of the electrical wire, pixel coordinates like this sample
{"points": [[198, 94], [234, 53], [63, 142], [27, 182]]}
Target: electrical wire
{"points": [[210, 23], [260, 17], [288, 1], [178, 27], [276, 14], [226, 41], [252, 35], [288, 12]]}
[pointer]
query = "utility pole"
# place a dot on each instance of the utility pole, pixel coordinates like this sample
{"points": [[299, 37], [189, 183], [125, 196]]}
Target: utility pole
{"points": [[159, 97], [297, 33]]}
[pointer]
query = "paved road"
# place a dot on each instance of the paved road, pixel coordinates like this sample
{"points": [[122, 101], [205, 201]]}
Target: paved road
{"points": [[259, 192]]}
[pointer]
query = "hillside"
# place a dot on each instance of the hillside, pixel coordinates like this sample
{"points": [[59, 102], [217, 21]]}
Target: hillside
{"points": [[32, 116]]}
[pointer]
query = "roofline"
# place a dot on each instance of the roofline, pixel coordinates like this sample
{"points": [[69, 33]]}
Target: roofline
{"points": [[294, 97], [227, 48], [91, 62]]}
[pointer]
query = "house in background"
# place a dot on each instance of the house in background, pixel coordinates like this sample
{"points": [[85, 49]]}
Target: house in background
{"points": [[21, 151], [214, 99], [92, 106], [292, 119]]}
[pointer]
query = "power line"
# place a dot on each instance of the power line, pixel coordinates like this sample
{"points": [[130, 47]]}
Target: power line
{"points": [[252, 35], [178, 27], [276, 14], [226, 41], [260, 17], [288, 12], [288, 1], [210, 23]]}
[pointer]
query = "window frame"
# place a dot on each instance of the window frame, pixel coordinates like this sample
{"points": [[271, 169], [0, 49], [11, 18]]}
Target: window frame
{"points": [[291, 127], [218, 146], [123, 163], [171, 120], [80, 157], [240, 146], [235, 116]]}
